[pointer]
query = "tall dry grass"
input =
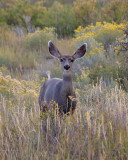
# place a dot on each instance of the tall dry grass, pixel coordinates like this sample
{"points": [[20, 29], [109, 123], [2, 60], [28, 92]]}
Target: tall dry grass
{"points": [[98, 130]]}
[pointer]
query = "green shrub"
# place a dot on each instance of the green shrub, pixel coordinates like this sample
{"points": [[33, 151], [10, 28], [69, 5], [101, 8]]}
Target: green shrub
{"points": [[39, 39]]}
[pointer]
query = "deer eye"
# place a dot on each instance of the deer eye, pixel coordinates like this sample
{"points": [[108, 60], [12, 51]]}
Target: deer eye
{"points": [[61, 60], [71, 60]]}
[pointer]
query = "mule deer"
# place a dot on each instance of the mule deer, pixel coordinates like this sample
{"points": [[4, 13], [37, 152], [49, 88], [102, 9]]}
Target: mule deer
{"points": [[61, 90]]}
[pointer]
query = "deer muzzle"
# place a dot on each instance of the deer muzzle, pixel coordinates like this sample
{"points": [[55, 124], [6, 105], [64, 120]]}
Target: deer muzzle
{"points": [[66, 67]]}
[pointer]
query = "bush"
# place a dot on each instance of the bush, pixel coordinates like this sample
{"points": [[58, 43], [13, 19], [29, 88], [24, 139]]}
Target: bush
{"points": [[61, 18], [104, 33], [100, 59], [39, 39], [12, 88], [85, 12], [22, 52], [121, 50], [115, 11]]}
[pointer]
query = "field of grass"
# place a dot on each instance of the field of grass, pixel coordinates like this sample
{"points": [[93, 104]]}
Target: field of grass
{"points": [[98, 130]]}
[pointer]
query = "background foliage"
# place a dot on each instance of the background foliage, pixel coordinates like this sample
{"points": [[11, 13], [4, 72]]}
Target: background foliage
{"points": [[98, 129], [64, 16]]}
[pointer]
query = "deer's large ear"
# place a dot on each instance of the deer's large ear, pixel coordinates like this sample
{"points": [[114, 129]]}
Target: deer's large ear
{"points": [[81, 51], [53, 50]]}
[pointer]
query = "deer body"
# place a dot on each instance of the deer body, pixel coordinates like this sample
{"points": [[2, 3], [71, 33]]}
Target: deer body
{"points": [[61, 90]]}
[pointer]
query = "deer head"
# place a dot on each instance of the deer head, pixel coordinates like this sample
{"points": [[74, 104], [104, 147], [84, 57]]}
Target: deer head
{"points": [[66, 60]]}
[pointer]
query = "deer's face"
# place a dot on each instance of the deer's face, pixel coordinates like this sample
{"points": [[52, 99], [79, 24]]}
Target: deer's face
{"points": [[66, 63], [65, 60]]}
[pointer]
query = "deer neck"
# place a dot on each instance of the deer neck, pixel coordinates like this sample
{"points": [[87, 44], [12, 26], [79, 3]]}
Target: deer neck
{"points": [[67, 83], [67, 77]]}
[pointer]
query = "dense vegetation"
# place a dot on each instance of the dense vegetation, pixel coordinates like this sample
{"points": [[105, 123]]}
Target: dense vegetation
{"points": [[99, 127], [64, 16]]}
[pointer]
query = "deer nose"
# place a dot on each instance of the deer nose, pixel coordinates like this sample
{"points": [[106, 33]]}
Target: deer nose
{"points": [[66, 67]]}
